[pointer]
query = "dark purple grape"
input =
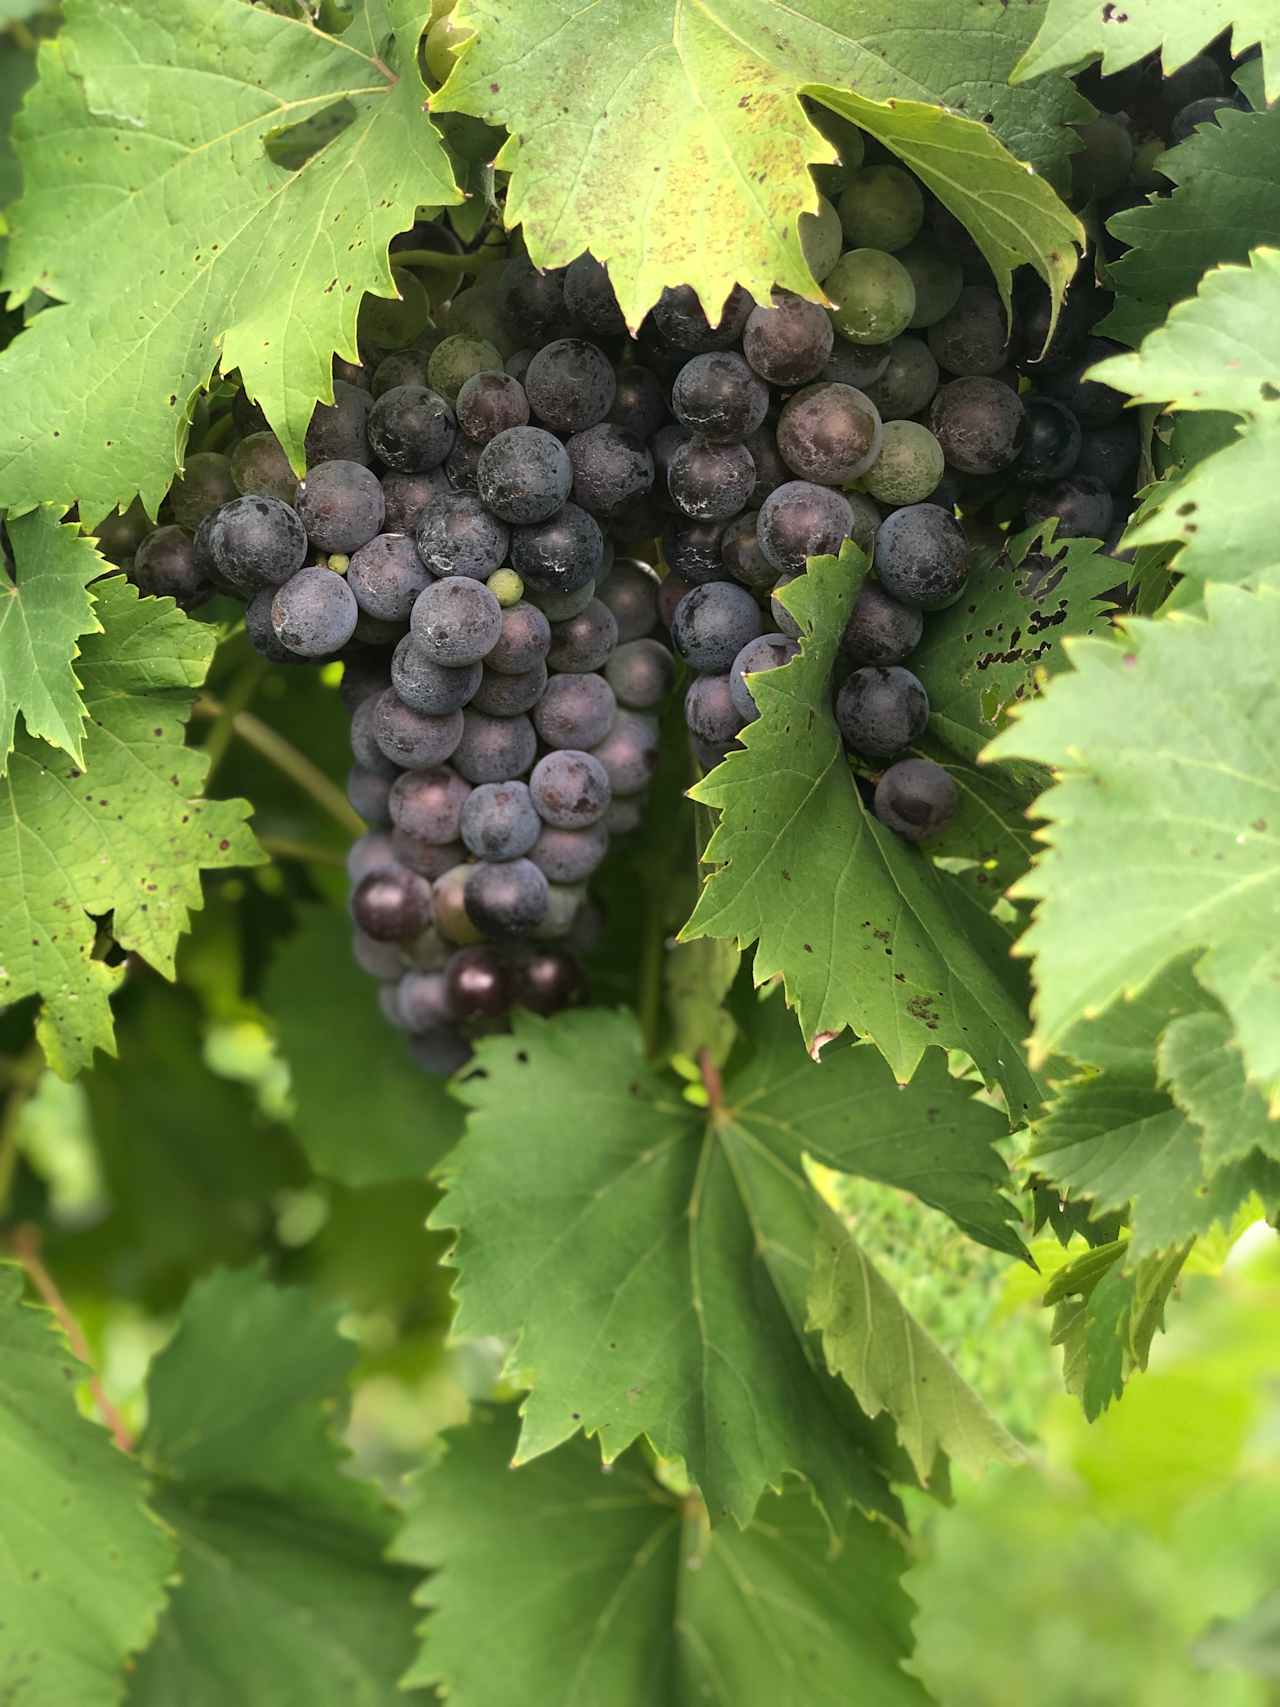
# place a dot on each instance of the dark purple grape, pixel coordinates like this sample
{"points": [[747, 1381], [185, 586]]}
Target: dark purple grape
{"points": [[1092, 403], [411, 428], [494, 749], [570, 385], [428, 686], [204, 485], [456, 621], [364, 741], [441, 1052], [575, 711], [916, 799], [532, 299], [314, 613], [631, 593], [255, 543], [340, 505], [909, 380], [765, 652], [428, 859], [1196, 113], [462, 468], [547, 982], [922, 556], [386, 576], [1051, 445], [569, 856], [489, 404], [1110, 455], [829, 434], [427, 805], [639, 403], [423, 1001], [377, 959], [406, 496], [881, 711], [457, 536], [400, 367], [414, 740], [973, 337], [339, 431], [372, 631], [710, 483], [558, 555], [364, 674], [517, 365], [980, 424], [712, 624], [789, 343], [370, 852], [499, 822], [799, 521], [710, 712], [611, 467], [585, 641], [393, 905], [164, 566], [880, 630], [570, 789], [666, 442], [369, 792], [1083, 506], [524, 475], [741, 555], [1033, 314], [771, 471], [679, 318], [719, 398], [507, 899], [502, 695], [524, 642], [692, 551], [589, 297], [641, 674], [479, 984]]}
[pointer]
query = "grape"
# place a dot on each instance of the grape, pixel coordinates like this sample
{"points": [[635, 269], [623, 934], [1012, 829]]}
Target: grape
{"points": [[373, 631], [462, 466], [442, 1050], [979, 423], [610, 467], [524, 475], [449, 897], [1196, 80], [909, 380], [386, 576], [712, 624], [121, 533], [532, 299], [641, 674], [413, 739], [631, 593], [692, 551], [786, 344], [972, 338], [679, 318], [872, 296], [456, 621], [427, 686], [1092, 403], [506, 586], [782, 617], [314, 613], [1109, 455], [401, 367], [821, 239], [665, 444], [589, 297], [1033, 314], [479, 984], [718, 397], [524, 642], [938, 279], [639, 403], [829, 434], [517, 365], [364, 739], [741, 555], [494, 749], [710, 711], [880, 711], [569, 856], [411, 428], [922, 556], [506, 899], [1195, 114], [369, 792], [564, 911], [800, 521], [909, 466], [489, 404], [457, 537], [560, 554], [881, 208], [585, 641], [164, 565], [1051, 445], [392, 905], [570, 385], [711, 482], [378, 959], [629, 752], [340, 505], [422, 999], [916, 798], [339, 431], [456, 358], [479, 311], [1083, 506], [427, 805], [766, 652], [392, 322], [256, 542], [204, 484], [370, 852], [406, 496], [499, 822], [575, 712], [570, 789], [880, 630], [547, 982], [857, 365], [364, 674], [428, 859], [502, 695]]}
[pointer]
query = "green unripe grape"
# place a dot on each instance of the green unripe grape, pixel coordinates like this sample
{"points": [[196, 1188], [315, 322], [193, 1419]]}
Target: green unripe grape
{"points": [[821, 238], [506, 586], [451, 918], [1105, 160], [444, 38], [938, 280], [882, 208], [204, 484], [872, 296], [259, 466], [909, 466], [455, 359], [392, 324], [121, 533], [850, 142], [339, 562], [401, 367], [478, 311]]}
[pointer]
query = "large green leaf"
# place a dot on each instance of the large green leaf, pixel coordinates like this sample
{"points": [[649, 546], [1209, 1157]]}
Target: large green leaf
{"points": [[126, 835], [45, 607], [652, 1262], [1219, 351], [632, 1602], [866, 933], [1076, 30], [152, 210], [668, 139], [1162, 821], [84, 1564], [285, 1596]]}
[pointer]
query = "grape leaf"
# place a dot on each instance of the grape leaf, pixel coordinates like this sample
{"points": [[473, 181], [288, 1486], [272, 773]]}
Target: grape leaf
{"points": [[125, 835], [1218, 351], [143, 146], [669, 141], [46, 608], [284, 1592], [1199, 1061], [1074, 31], [17, 73], [866, 933], [1162, 821], [635, 1601], [1107, 1313], [84, 1565], [652, 1261], [1227, 201], [389, 1120], [892, 1364]]}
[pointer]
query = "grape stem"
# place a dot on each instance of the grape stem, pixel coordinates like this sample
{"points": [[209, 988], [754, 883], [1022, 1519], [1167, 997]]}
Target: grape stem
{"points": [[237, 699], [287, 760], [24, 1243], [711, 1083], [307, 853]]}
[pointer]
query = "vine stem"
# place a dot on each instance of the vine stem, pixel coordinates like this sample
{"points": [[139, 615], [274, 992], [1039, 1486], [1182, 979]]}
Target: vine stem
{"points": [[237, 698], [712, 1083], [468, 263], [25, 1245], [287, 760], [309, 853]]}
